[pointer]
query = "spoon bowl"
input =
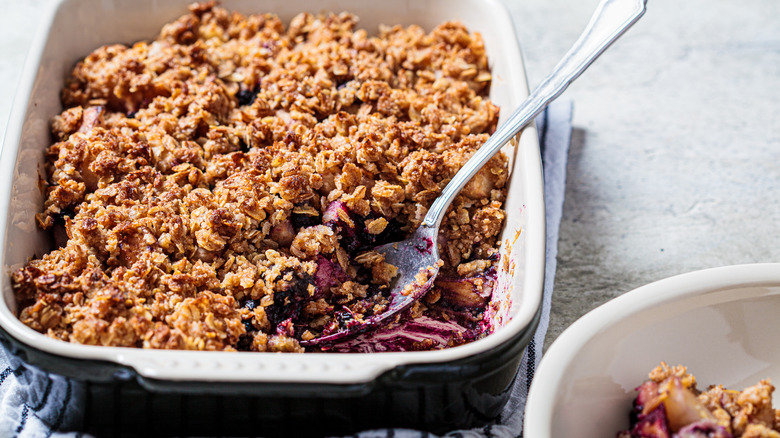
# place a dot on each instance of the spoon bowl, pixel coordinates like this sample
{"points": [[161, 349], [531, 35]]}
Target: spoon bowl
{"points": [[417, 261]]}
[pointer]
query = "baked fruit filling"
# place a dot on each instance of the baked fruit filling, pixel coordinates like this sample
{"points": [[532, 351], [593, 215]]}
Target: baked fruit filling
{"points": [[669, 405], [222, 187]]}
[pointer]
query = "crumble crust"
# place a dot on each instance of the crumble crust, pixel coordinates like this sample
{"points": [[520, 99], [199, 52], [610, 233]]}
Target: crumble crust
{"points": [[221, 186], [670, 405]]}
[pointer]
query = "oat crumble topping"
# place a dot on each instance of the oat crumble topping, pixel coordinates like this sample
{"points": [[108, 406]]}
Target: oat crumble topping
{"points": [[669, 405], [222, 186]]}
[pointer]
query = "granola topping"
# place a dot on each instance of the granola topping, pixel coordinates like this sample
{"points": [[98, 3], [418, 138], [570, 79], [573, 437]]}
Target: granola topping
{"points": [[223, 185]]}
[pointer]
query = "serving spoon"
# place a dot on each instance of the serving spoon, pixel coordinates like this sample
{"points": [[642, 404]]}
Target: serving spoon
{"points": [[417, 258]]}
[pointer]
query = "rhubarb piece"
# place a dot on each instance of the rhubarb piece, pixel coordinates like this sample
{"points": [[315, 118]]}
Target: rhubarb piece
{"points": [[328, 274], [465, 292], [93, 116], [682, 406], [337, 212], [646, 400], [652, 425], [283, 233]]}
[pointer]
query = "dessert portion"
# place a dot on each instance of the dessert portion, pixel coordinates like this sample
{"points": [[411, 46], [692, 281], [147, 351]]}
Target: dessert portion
{"points": [[222, 186], [669, 405]]}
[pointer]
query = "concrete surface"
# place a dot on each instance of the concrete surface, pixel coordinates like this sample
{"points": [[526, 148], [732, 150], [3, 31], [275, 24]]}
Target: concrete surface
{"points": [[675, 157]]}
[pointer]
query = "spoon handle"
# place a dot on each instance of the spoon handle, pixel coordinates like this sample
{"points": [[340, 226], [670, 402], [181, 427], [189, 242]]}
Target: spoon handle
{"points": [[611, 19]]}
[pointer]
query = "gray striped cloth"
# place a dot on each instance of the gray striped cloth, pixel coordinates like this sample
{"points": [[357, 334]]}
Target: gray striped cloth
{"points": [[38, 404]]}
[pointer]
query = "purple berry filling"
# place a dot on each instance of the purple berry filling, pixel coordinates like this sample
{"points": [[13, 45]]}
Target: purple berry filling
{"points": [[703, 429], [652, 425]]}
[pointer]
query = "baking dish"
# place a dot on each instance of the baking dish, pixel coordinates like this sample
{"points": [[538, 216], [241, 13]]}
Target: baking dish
{"points": [[721, 323], [73, 28]]}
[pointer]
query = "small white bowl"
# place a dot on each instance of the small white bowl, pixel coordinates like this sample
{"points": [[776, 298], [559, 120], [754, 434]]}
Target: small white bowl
{"points": [[721, 323]]}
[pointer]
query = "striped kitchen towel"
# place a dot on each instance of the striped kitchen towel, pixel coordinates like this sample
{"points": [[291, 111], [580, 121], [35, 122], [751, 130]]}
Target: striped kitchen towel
{"points": [[37, 404]]}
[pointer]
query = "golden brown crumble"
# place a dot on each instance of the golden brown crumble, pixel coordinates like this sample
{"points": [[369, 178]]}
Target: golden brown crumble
{"points": [[670, 400], [222, 185], [664, 371]]}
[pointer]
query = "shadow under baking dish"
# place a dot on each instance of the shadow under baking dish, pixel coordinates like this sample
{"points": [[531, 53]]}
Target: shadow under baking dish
{"points": [[140, 392]]}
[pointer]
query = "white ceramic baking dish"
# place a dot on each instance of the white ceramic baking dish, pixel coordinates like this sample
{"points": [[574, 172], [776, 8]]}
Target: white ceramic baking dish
{"points": [[721, 323], [73, 28]]}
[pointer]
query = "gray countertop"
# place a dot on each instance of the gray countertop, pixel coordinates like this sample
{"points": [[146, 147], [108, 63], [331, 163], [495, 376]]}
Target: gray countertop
{"points": [[675, 155]]}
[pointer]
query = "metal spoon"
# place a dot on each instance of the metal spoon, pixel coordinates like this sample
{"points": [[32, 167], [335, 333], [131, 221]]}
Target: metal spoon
{"points": [[417, 257]]}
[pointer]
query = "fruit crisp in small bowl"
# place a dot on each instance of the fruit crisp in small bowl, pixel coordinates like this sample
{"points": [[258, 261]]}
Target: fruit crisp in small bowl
{"points": [[669, 405]]}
